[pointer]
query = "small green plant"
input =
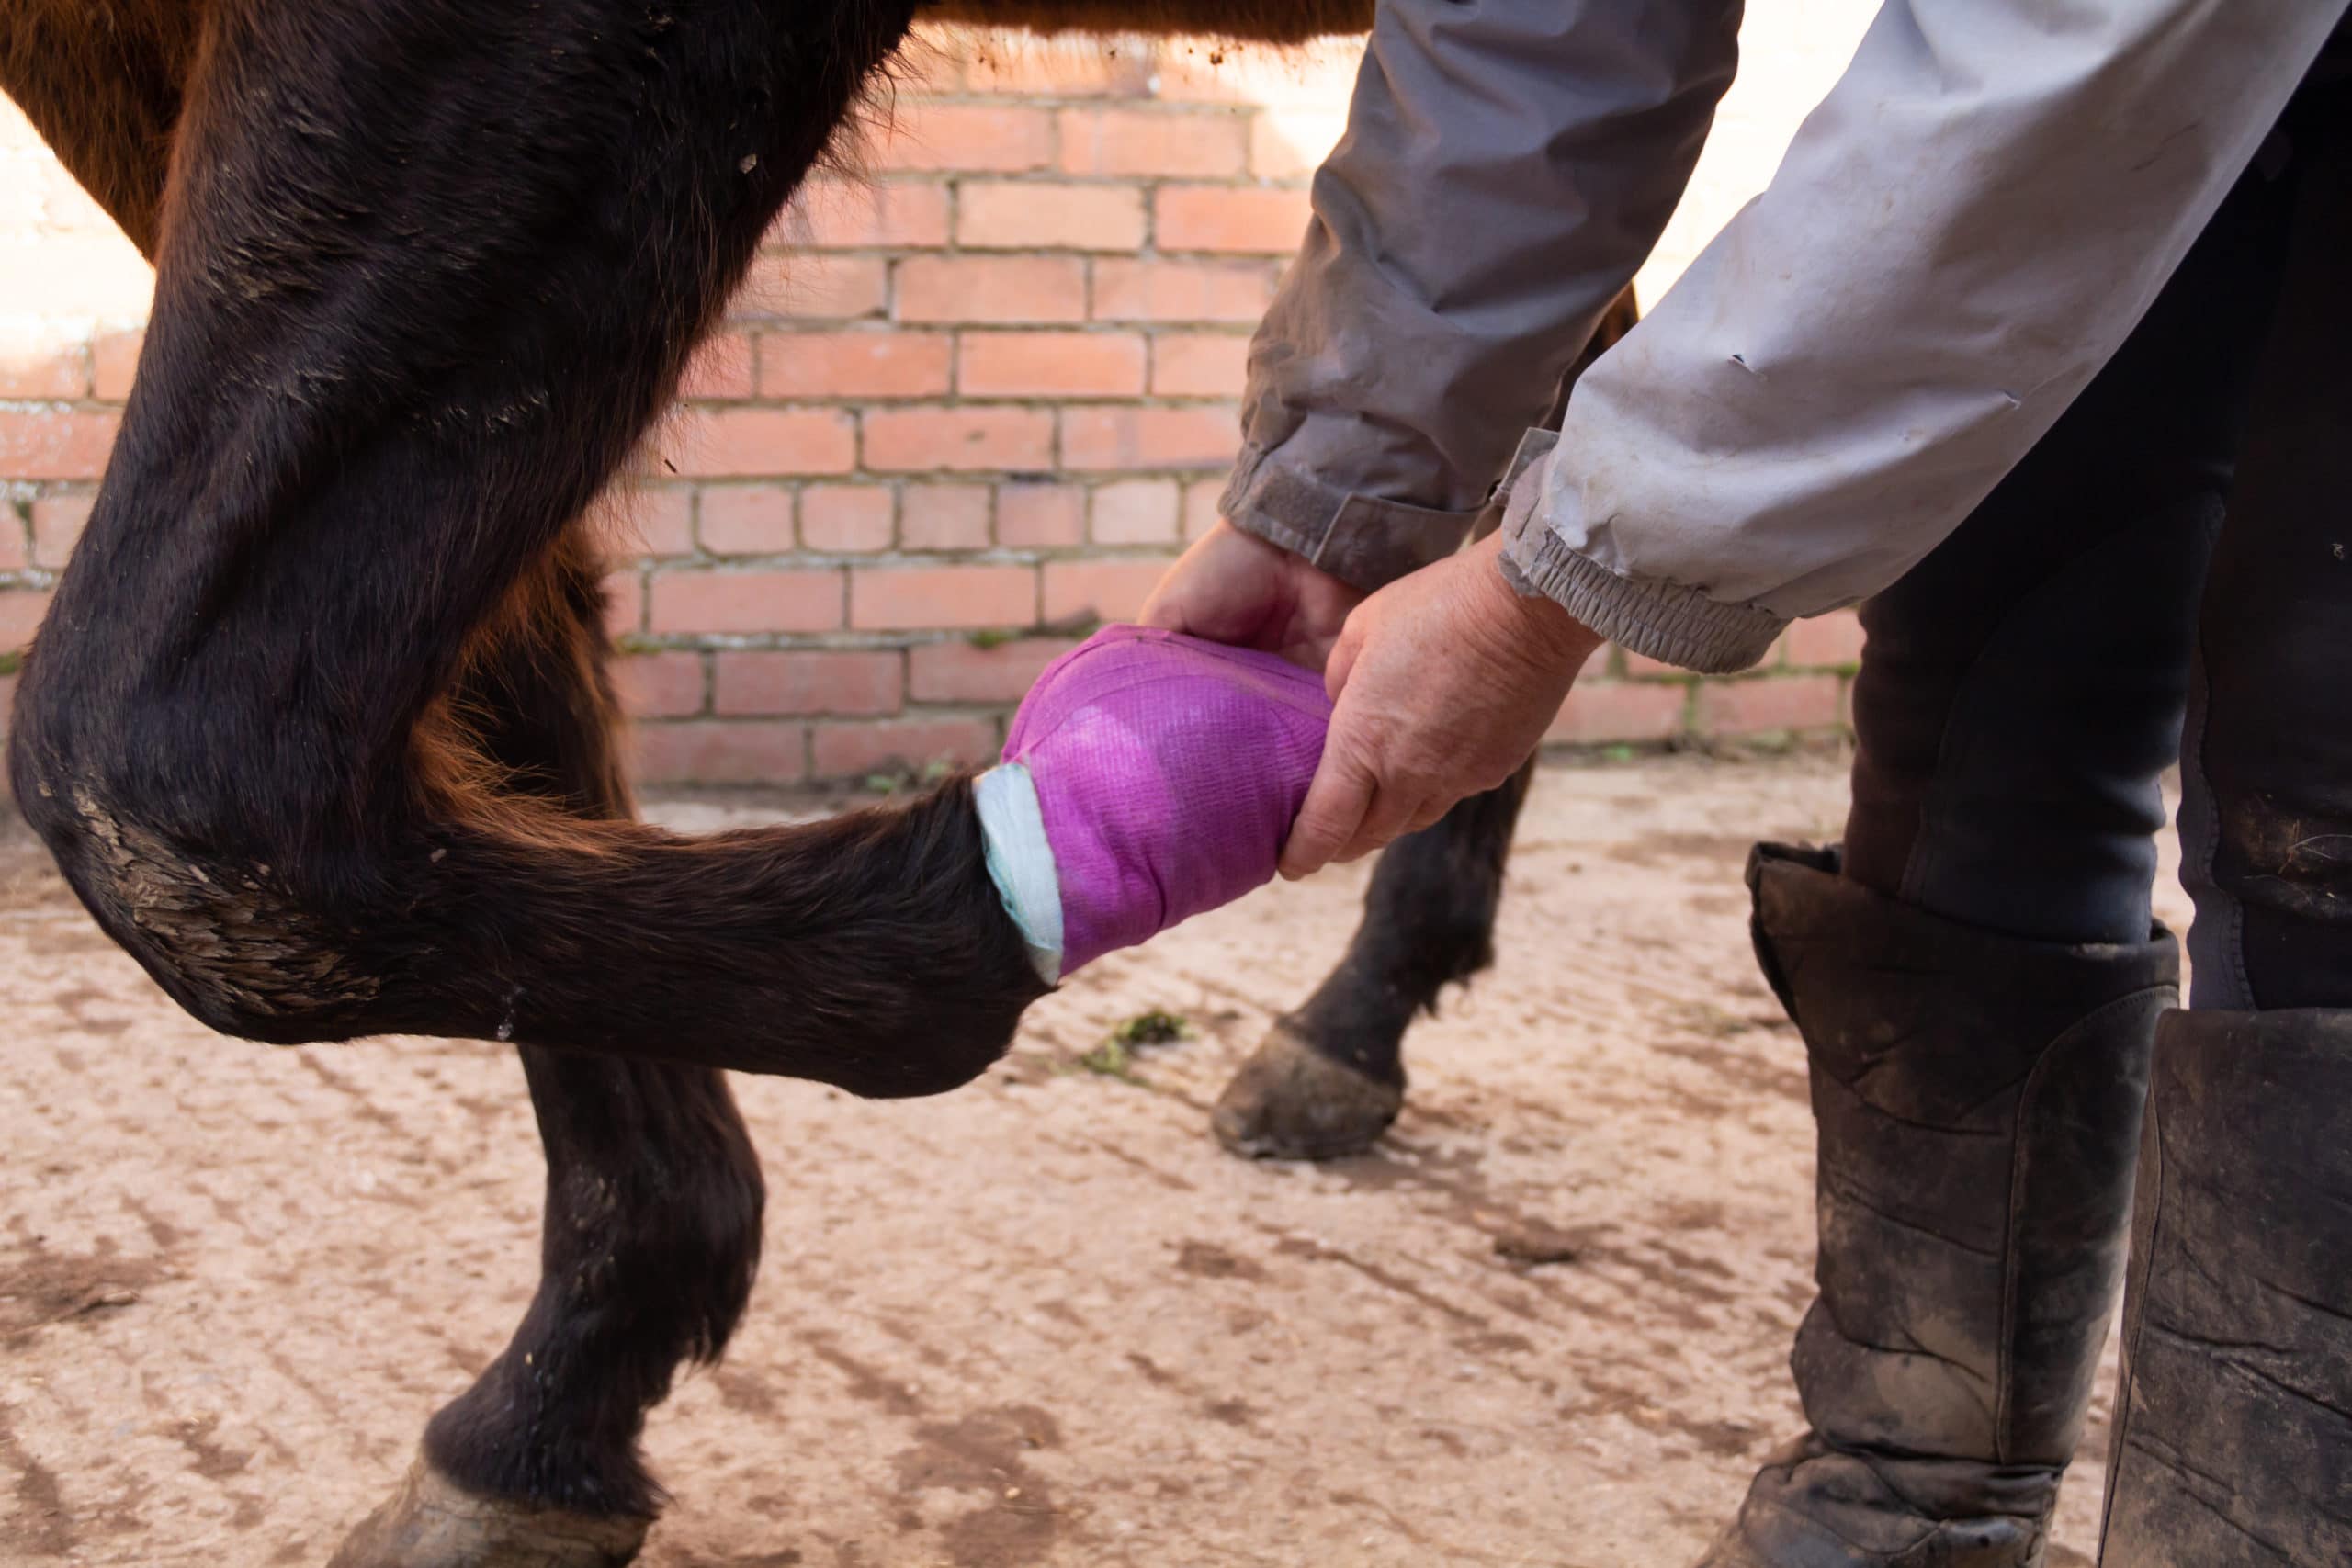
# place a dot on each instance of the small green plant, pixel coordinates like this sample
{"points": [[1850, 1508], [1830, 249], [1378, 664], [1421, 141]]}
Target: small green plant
{"points": [[1153, 1028], [11, 662], [1110, 1060], [1115, 1057], [987, 638]]}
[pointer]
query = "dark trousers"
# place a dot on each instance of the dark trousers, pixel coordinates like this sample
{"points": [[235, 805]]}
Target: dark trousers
{"points": [[2177, 548]]}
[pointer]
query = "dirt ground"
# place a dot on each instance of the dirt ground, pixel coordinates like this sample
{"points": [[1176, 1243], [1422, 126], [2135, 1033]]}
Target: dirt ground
{"points": [[1044, 1321]]}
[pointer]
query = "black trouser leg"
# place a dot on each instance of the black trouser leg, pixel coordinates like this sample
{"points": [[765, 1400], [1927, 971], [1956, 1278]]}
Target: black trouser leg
{"points": [[1978, 983]]}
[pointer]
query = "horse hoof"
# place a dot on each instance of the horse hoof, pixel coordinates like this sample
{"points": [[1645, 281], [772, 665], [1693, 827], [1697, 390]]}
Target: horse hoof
{"points": [[431, 1522], [1290, 1102]]}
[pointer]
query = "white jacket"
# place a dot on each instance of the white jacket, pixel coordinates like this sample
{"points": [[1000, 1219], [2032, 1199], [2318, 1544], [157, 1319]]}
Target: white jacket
{"points": [[1961, 235]]}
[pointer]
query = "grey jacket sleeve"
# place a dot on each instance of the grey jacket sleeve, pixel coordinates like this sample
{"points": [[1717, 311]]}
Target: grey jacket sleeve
{"points": [[1507, 168], [1960, 236]]}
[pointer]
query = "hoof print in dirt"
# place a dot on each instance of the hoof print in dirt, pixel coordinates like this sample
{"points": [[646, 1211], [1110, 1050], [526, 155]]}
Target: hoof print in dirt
{"points": [[1290, 1102], [432, 1523]]}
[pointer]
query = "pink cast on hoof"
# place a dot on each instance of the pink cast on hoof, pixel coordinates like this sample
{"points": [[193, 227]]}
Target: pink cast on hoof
{"points": [[1167, 771]]}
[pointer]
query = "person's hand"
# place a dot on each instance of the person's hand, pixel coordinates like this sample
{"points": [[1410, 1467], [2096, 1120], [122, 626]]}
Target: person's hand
{"points": [[1444, 682], [1233, 588]]}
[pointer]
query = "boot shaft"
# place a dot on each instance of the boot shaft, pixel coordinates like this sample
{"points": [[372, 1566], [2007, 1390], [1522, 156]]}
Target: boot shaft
{"points": [[1978, 1102], [2233, 1421]]}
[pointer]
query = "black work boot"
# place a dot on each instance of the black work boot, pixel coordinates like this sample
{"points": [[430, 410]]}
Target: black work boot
{"points": [[2233, 1423], [1977, 1099]]}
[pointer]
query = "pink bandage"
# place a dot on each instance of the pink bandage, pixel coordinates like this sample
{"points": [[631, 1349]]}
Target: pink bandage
{"points": [[1168, 772]]}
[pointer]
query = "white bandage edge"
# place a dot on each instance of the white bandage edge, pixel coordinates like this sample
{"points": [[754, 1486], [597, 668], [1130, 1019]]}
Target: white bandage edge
{"points": [[1021, 862]]}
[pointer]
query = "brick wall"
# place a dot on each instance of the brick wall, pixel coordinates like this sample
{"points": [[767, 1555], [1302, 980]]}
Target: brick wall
{"points": [[970, 403]]}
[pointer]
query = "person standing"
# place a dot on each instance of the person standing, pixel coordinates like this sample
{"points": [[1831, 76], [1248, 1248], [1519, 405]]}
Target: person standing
{"points": [[2037, 346]]}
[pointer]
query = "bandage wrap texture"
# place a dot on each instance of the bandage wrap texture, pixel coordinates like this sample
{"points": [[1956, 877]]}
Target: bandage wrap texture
{"points": [[1167, 771]]}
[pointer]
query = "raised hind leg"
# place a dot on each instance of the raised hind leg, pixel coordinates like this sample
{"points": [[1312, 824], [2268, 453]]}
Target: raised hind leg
{"points": [[427, 270], [1330, 1077], [651, 1232]]}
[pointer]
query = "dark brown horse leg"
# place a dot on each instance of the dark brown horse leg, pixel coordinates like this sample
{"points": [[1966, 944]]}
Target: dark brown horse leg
{"points": [[427, 272], [1330, 1077], [651, 1232]]}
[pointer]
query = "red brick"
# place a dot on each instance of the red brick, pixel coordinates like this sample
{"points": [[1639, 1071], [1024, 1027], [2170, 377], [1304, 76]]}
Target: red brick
{"points": [[943, 517], [1201, 515], [39, 361], [624, 605], [1035, 516], [58, 522], [1598, 711], [1007, 215], [984, 139], [840, 215], [1050, 365], [1135, 511], [807, 288], [1834, 639], [957, 439], [1108, 589], [1254, 220], [20, 613], [960, 672], [739, 752], [1153, 142], [922, 598], [659, 685], [14, 553], [853, 519], [1150, 438], [747, 520], [731, 443], [55, 444], [991, 290], [1291, 144], [880, 363], [1018, 65], [1199, 365], [746, 601], [1768, 702], [1182, 290], [653, 520], [722, 367], [854, 750], [800, 682]]}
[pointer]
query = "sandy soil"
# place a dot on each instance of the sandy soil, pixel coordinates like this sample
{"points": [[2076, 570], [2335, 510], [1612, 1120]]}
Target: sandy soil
{"points": [[1044, 1321]]}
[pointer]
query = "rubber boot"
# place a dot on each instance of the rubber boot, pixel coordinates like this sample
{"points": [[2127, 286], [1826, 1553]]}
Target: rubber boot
{"points": [[2234, 1422], [1977, 1099]]}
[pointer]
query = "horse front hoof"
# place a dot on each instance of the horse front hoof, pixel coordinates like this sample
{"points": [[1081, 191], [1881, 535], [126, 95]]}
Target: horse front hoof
{"points": [[431, 1522], [1290, 1102]]}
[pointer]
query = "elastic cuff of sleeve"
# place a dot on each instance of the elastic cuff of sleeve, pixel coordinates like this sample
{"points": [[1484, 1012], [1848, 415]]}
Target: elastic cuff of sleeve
{"points": [[1363, 540], [1661, 620]]}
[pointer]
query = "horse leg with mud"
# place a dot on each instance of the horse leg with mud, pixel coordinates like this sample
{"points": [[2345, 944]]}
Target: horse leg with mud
{"points": [[652, 1227], [426, 274], [1329, 1077]]}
